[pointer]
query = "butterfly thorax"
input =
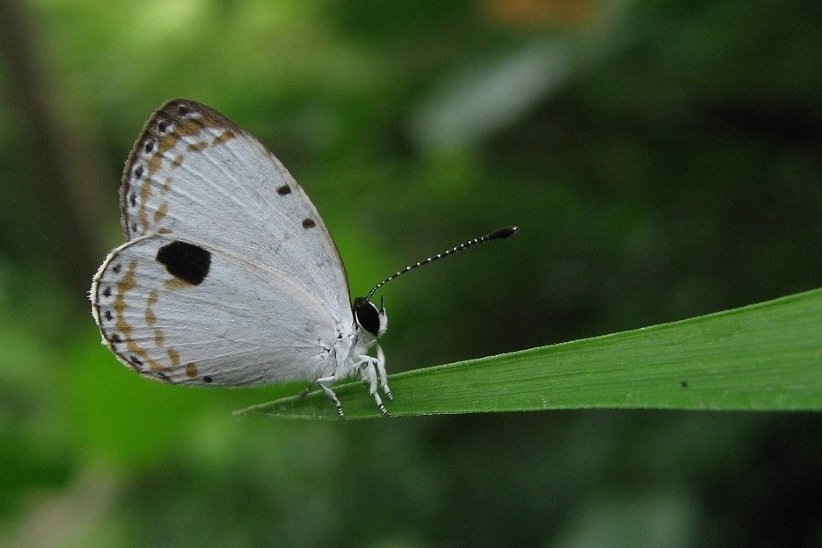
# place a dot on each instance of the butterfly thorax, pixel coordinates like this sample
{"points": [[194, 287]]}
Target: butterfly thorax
{"points": [[352, 346]]}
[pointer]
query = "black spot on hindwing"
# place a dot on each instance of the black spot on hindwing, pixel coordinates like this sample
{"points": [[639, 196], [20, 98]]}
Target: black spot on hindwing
{"points": [[185, 261]]}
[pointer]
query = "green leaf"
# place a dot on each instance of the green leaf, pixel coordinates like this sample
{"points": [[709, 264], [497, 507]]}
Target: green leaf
{"points": [[763, 357]]}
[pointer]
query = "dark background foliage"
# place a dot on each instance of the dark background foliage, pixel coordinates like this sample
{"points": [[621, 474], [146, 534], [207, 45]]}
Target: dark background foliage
{"points": [[662, 158]]}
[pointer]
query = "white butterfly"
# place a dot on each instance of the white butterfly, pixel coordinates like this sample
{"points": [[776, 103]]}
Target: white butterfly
{"points": [[228, 276]]}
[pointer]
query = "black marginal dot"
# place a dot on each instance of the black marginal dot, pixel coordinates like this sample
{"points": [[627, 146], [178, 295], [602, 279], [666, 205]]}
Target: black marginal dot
{"points": [[117, 268], [185, 261], [132, 199], [149, 146], [135, 360], [207, 379], [182, 109], [134, 227], [107, 292], [309, 223], [138, 172], [162, 126], [115, 338], [108, 315], [283, 190]]}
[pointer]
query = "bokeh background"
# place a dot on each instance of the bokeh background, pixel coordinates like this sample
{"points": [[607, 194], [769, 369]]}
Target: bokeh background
{"points": [[663, 159]]}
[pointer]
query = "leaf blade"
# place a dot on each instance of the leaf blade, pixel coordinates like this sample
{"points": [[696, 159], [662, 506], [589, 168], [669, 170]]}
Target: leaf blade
{"points": [[762, 357]]}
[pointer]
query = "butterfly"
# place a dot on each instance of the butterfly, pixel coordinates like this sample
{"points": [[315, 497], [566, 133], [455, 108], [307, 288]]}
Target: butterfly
{"points": [[229, 276]]}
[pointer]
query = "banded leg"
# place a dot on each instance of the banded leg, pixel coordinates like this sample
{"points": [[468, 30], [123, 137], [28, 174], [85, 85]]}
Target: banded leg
{"points": [[382, 374], [368, 372], [330, 393]]}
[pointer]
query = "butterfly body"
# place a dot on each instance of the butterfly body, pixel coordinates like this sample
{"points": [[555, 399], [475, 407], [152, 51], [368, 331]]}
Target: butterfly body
{"points": [[228, 276]]}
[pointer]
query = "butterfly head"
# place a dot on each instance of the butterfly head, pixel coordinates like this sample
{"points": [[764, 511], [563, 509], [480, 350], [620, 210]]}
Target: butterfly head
{"points": [[369, 317]]}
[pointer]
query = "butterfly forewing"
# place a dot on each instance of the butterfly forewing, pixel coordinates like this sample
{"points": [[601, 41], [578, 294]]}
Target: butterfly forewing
{"points": [[196, 175], [185, 312]]}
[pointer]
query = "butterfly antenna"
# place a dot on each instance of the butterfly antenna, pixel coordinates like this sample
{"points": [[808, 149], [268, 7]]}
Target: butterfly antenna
{"points": [[496, 235]]}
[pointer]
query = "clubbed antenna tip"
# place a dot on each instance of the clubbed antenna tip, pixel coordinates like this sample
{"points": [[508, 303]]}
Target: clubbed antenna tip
{"points": [[502, 233]]}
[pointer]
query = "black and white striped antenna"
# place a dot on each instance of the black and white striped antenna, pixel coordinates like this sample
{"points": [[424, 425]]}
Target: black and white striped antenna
{"points": [[496, 235]]}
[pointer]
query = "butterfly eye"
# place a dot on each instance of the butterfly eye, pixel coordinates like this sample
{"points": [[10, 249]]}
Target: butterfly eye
{"points": [[367, 315]]}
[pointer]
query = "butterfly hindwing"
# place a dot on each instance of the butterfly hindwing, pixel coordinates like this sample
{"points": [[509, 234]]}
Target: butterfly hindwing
{"points": [[185, 312], [195, 174]]}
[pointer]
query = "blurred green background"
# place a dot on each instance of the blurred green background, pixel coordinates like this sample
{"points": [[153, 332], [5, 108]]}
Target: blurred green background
{"points": [[663, 159]]}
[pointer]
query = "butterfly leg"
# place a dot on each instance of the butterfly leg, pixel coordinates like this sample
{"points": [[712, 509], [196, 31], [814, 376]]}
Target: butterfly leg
{"points": [[330, 393], [369, 375], [307, 390], [383, 376]]}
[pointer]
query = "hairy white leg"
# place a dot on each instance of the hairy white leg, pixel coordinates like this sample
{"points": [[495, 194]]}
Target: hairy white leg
{"points": [[382, 374], [330, 393], [369, 375]]}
